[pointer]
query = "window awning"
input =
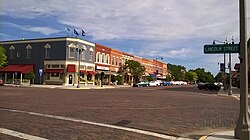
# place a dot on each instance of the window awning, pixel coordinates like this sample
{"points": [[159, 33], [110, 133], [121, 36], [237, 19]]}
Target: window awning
{"points": [[83, 71], [54, 71], [153, 75], [22, 68], [91, 72], [71, 68]]}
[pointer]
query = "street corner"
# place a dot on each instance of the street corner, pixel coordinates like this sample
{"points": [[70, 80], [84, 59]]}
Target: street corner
{"points": [[228, 135]]}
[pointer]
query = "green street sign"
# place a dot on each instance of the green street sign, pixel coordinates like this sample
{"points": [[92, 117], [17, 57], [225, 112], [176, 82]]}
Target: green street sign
{"points": [[221, 48]]}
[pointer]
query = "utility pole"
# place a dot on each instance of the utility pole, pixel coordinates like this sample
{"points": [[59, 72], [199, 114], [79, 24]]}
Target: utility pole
{"points": [[242, 130]]}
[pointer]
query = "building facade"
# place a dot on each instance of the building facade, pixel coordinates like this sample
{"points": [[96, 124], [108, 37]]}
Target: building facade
{"points": [[102, 64], [61, 61], [71, 61]]}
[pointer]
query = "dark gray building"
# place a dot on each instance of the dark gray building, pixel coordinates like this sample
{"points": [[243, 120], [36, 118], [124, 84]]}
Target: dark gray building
{"points": [[53, 61]]}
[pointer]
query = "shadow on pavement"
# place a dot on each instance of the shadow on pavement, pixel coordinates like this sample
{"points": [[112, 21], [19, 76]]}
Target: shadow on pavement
{"points": [[189, 88]]}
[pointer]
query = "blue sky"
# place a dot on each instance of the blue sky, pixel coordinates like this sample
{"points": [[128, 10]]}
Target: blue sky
{"points": [[176, 30]]}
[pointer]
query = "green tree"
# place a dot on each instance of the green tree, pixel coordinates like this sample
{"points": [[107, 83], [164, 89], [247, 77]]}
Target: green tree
{"points": [[177, 72], [204, 76], [134, 68], [3, 57], [168, 78], [191, 76], [150, 78], [219, 77], [30, 75]]}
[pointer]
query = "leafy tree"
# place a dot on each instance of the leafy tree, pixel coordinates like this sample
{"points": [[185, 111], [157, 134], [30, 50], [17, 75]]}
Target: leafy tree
{"points": [[177, 72], [191, 76], [134, 68], [150, 78], [30, 75], [204, 76], [219, 77], [168, 78], [3, 57]]}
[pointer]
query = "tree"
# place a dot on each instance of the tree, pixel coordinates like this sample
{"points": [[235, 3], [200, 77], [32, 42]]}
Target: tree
{"points": [[177, 72], [3, 57], [204, 76], [191, 76], [150, 78], [30, 75], [134, 68], [219, 77]]}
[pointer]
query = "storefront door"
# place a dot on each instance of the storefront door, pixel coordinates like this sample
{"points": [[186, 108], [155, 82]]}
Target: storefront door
{"points": [[70, 79]]}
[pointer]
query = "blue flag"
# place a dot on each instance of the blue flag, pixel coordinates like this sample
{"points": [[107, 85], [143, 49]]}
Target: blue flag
{"points": [[67, 29], [75, 32], [83, 33]]}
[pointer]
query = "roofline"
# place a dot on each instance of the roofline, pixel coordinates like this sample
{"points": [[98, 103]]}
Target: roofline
{"points": [[46, 40]]}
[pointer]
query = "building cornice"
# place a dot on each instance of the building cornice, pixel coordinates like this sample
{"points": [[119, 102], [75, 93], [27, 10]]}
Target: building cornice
{"points": [[47, 40]]}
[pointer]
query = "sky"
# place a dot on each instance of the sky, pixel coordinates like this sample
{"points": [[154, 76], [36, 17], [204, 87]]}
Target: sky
{"points": [[175, 30]]}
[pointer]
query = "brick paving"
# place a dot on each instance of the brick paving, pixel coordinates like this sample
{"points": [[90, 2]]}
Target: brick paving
{"points": [[177, 111]]}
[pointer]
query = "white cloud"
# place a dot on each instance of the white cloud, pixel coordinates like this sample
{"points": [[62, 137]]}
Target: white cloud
{"points": [[42, 30], [134, 19], [156, 22]]}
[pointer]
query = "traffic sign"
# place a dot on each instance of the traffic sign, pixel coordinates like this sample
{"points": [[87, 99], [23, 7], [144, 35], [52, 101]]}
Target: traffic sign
{"points": [[221, 48], [40, 72]]}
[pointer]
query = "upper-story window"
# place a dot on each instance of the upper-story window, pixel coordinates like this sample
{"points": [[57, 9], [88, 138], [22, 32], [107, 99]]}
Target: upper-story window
{"points": [[28, 50], [103, 57], [107, 58], [12, 49], [83, 57], [47, 50], [72, 49], [113, 60], [98, 57], [91, 54], [116, 61]]}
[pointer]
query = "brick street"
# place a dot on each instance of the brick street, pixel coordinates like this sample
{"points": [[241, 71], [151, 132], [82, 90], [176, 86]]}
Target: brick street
{"points": [[177, 111]]}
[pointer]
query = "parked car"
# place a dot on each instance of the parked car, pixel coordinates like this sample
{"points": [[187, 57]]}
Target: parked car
{"points": [[155, 83], [1, 82], [165, 83], [141, 84], [209, 86], [178, 83]]}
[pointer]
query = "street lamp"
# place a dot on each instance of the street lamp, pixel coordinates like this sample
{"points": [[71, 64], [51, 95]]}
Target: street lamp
{"points": [[79, 50], [224, 67], [156, 71]]}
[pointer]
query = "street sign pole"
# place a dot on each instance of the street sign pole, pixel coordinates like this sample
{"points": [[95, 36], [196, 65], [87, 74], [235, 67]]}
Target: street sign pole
{"points": [[242, 129]]}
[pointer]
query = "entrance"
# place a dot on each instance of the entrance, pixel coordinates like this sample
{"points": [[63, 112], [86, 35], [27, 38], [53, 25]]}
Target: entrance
{"points": [[70, 79]]}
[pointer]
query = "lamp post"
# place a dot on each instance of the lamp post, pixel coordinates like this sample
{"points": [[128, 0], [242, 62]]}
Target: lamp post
{"points": [[156, 72], [242, 130], [79, 50], [224, 67]]}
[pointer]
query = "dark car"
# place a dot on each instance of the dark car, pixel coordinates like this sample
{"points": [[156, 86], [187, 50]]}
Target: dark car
{"points": [[209, 86], [1, 82]]}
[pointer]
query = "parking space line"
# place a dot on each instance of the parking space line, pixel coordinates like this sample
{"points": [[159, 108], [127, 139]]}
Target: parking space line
{"points": [[19, 134], [144, 132]]}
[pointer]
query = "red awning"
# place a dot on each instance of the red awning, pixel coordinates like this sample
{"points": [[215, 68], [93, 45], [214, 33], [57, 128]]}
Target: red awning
{"points": [[54, 71], [91, 72], [83, 71], [25, 68], [71, 68]]}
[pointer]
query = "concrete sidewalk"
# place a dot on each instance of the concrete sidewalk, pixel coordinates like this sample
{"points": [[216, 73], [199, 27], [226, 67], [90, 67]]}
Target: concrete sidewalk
{"points": [[70, 87], [226, 135]]}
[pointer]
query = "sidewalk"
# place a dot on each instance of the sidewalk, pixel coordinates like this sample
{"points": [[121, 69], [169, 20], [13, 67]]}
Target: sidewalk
{"points": [[70, 87], [226, 135]]}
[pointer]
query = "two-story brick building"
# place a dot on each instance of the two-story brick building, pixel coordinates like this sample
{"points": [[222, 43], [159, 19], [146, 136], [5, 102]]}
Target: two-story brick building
{"points": [[53, 60]]}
